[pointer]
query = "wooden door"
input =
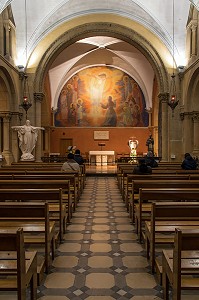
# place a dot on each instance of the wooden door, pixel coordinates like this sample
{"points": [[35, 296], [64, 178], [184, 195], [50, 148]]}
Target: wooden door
{"points": [[64, 144]]}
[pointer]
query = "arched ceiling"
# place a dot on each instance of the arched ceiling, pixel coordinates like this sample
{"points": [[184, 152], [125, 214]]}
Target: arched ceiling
{"points": [[44, 16], [40, 22], [101, 50]]}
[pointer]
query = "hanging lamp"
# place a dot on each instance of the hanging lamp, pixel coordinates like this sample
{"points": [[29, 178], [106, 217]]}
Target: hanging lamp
{"points": [[173, 101], [26, 101]]}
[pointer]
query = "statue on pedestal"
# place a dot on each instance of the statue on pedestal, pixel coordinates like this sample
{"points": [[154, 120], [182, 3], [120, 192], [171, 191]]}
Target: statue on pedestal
{"points": [[133, 144], [27, 135], [150, 144]]}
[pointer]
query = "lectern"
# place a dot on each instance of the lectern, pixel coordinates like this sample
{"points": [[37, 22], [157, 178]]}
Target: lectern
{"points": [[101, 145]]}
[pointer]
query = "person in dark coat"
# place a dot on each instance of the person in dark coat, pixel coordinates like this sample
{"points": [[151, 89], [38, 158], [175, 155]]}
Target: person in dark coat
{"points": [[189, 162], [78, 158], [142, 168], [150, 160]]}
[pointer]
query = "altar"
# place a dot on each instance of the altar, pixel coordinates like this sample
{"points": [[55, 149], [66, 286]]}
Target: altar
{"points": [[101, 158]]}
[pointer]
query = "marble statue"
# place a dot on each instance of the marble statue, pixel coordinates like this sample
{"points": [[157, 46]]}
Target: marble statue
{"points": [[27, 135]]}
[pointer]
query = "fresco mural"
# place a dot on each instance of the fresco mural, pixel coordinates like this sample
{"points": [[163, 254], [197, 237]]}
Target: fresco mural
{"points": [[101, 97]]}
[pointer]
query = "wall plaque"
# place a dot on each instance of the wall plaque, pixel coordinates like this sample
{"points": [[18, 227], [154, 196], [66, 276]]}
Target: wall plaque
{"points": [[101, 135]]}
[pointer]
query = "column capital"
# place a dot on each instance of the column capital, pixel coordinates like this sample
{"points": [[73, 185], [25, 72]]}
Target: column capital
{"points": [[195, 117], [164, 97], [38, 97], [5, 116]]}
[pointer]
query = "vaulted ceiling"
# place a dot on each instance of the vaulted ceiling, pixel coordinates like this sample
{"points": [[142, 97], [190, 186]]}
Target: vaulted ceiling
{"points": [[38, 21]]}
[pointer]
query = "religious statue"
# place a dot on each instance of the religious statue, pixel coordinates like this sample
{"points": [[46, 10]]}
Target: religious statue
{"points": [[150, 143], [133, 144], [27, 135]]}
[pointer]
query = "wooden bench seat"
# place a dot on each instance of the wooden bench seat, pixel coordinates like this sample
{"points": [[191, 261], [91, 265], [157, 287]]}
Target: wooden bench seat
{"points": [[180, 265], [127, 185], [37, 228], [155, 184], [75, 177], [130, 190], [43, 184], [75, 188], [123, 171], [157, 195], [18, 268], [165, 217], [57, 210]]}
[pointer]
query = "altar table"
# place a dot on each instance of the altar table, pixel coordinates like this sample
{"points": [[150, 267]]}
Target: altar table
{"points": [[101, 157]]}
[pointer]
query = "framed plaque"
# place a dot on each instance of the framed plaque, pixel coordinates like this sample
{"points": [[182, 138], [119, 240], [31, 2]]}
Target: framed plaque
{"points": [[101, 135]]}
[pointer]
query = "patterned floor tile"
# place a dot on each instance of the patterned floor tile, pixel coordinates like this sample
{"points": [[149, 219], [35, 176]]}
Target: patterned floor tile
{"points": [[99, 258]]}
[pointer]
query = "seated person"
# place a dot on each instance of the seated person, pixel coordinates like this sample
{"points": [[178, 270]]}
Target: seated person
{"points": [[142, 168], [70, 165], [189, 163], [78, 158], [150, 160]]}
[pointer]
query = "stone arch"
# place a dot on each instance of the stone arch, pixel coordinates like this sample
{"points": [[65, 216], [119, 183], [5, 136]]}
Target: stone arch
{"points": [[192, 101], [108, 29], [7, 91]]}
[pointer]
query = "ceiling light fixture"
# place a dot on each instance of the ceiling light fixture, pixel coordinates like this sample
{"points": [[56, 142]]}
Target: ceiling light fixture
{"points": [[26, 101]]}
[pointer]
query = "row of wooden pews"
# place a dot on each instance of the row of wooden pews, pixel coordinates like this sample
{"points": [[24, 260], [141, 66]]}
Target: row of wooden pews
{"points": [[36, 204], [165, 210]]}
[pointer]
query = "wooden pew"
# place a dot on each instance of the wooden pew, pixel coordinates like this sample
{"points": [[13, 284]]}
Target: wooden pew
{"points": [[165, 217], [163, 175], [37, 228], [57, 209], [181, 264], [43, 184], [129, 189], [18, 268], [75, 188], [156, 183], [143, 212]]}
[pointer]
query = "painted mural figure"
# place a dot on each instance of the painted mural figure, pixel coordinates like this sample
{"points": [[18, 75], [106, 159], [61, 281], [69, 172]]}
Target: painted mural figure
{"points": [[79, 112], [127, 115], [135, 111], [72, 115], [97, 89], [127, 87], [110, 117], [27, 135], [93, 86]]}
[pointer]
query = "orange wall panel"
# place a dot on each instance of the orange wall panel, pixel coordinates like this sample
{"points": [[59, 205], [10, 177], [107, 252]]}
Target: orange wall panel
{"points": [[83, 139]]}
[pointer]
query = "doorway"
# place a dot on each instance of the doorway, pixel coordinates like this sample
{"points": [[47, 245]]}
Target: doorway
{"points": [[64, 144]]}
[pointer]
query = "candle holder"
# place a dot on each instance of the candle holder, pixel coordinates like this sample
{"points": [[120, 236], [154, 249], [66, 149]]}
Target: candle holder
{"points": [[26, 104]]}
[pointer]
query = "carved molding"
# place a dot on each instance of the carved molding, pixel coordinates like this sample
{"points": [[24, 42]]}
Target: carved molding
{"points": [[194, 115], [164, 97], [38, 97]]}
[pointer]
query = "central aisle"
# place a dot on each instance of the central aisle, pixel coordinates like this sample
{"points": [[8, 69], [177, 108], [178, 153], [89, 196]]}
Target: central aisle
{"points": [[100, 257]]}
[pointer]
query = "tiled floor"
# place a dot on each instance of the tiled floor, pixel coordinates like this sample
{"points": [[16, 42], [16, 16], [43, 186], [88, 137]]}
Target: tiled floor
{"points": [[100, 258]]}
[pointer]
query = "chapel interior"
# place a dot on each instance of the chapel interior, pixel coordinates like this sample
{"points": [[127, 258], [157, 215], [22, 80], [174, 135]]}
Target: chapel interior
{"points": [[67, 60], [99, 76]]}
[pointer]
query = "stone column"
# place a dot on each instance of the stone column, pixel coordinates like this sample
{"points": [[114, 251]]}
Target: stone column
{"points": [[38, 97], [186, 118], [47, 139], [6, 138], [7, 28], [193, 39], [155, 133], [163, 123], [195, 134]]}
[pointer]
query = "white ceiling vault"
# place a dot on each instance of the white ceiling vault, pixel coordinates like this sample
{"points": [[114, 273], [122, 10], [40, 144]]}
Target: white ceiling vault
{"points": [[35, 20]]}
